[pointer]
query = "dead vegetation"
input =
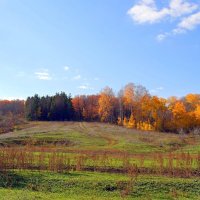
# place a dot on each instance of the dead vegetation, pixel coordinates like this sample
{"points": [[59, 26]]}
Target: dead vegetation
{"points": [[177, 165]]}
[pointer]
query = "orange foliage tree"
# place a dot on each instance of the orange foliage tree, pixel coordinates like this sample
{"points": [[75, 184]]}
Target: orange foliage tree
{"points": [[107, 102]]}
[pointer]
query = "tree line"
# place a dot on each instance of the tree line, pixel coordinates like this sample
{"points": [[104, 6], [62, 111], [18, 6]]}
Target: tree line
{"points": [[132, 107], [15, 107], [49, 108]]}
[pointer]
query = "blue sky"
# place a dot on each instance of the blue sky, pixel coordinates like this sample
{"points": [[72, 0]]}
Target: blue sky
{"points": [[81, 46]]}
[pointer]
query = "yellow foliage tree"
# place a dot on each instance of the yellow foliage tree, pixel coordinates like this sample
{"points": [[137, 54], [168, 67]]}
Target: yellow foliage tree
{"points": [[146, 126], [125, 122], [192, 100], [131, 122], [138, 125], [182, 119], [119, 121], [129, 96], [197, 112], [106, 105]]}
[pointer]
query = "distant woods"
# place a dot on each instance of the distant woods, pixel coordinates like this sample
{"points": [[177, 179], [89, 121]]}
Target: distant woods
{"points": [[50, 108], [132, 107], [15, 107], [11, 115]]}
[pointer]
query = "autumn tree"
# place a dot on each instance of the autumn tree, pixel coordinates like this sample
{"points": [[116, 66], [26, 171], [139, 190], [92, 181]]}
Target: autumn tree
{"points": [[78, 105], [16, 107], [180, 116], [90, 111], [107, 104], [197, 115], [121, 107], [139, 96], [159, 113], [191, 101], [86, 107], [129, 95]]}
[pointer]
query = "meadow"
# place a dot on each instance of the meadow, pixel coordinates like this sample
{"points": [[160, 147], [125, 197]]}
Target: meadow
{"points": [[82, 160]]}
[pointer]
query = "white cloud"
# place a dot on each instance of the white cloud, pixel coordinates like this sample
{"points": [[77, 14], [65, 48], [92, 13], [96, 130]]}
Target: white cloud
{"points": [[190, 22], [66, 68], [187, 13], [178, 8], [85, 87], [157, 90], [96, 78], [162, 36], [43, 75], [187, 24], [78, 77], [160, 88], [146, 11]]}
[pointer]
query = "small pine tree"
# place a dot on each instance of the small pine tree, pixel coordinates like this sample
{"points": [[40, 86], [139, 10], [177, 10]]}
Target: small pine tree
{"points": [[131, 123], [146, 126], [138, 125], [125, 122], [119, 121]]}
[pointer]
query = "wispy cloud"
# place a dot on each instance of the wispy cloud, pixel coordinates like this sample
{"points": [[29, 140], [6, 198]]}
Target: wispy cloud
{"points": [[147, 11], [156, 90], [85, 87], [77, 77], [186, 24], [189, 23], [43, 75], [162, 36], [66, 68]]}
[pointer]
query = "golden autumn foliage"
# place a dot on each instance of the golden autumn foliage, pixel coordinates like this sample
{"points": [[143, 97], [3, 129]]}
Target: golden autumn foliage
{"points": [[197, 112], [146, 126], [179, 110], [193, 99], [138, 109], [125, 122], [106, 105], [180, 115], [129, 94], [154, 113], [131, 122], [119, 121]]}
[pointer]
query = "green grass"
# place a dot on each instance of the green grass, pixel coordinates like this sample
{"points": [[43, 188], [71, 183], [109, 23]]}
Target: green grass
{"points": [[85, 185], [96, 136]]}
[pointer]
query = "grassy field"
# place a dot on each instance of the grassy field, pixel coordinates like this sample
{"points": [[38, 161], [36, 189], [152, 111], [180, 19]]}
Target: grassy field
{"points": [[71, 160], [88, 185], [99, 137]]}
